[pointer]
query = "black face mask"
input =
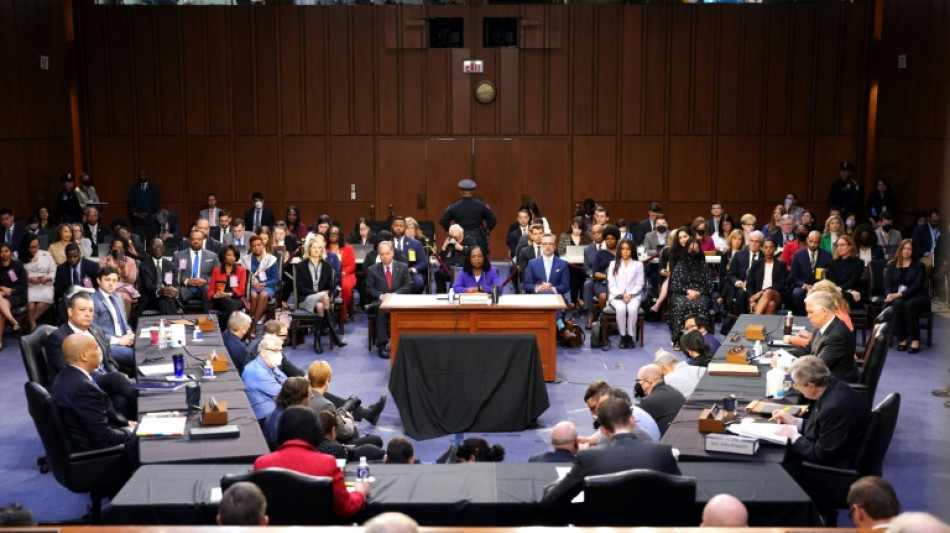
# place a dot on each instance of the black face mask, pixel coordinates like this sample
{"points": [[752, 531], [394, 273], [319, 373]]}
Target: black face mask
{"points": [[886, 227], [86, 183], [802, 237], [700, 231], [638, 391], [934, 224], [695, 255], [661, 229]]}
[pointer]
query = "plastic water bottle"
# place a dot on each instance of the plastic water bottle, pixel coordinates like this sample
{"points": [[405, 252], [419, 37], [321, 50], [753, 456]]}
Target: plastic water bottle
{"points": [[362, 471], [162, 335], [209, 370], [787, 383], [757, 349], [451, 296]]}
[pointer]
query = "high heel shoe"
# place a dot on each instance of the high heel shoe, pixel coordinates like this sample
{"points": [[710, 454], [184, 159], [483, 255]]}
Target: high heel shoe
{"points": [[902, 347], [914, 349], [335, 337]]}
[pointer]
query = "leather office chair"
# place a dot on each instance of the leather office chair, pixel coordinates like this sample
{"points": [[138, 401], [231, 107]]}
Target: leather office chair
{"points": [[292, 498], [873, 364], [300, 319], [828, 486], [101, 473], [640, 497], [34, 357]]}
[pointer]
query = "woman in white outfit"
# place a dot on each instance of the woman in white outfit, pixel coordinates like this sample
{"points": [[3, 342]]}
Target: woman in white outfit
{"points": [[624, 285]]}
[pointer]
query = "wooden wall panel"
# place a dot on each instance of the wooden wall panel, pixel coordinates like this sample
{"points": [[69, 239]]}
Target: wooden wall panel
{"points": [[681, 68], [462, 101], [497, 163], [752, 84], [657, 63], [737, 169], [209, 166], [437, 78], [545, 171], [606, 76], [217, 63], [777, 81], [256, 167], [16, 194], [194, 82], [730, 70], [291, 70], [854, 48], [801, 63], [113, 166], [305, 170], [448, 161], [163, 157], [826, 58], [242, 72], [145, 70], [508, 102], [702, 97], [631, 74], [582, 75], [96, 76], [364, 80], [119, 47], [829, 152], [413, 94], [787, 168], [690, 169], [352, 161], [43, 159], [533, 95], [641, 168], [315, 71], [402, 173], [265, 71], [558, 90], [594, 167]]}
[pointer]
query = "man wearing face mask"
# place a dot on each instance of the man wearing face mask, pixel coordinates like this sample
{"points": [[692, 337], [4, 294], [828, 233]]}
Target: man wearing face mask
{"points": [[888, 238], [792, 208], [258, 215], [739, 269], [69, 207], [801, 235], [263, 377], [659, 399], [86, 192]]}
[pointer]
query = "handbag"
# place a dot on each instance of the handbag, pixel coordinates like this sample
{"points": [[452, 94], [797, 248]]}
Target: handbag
{"points": [[577, 339]]}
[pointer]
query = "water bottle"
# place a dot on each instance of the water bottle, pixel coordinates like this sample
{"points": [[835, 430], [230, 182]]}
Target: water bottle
{"points": [[757, 349], [362, 471], [788, 383], [451, 296], [209, 370], [162, 335], [788, 324]]}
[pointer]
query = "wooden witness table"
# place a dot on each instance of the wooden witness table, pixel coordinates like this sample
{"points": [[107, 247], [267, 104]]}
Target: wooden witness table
{"points": [[514, 313]]}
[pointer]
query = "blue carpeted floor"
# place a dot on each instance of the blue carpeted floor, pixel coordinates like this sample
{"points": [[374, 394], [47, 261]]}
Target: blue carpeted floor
{"points": [[917, 462]]}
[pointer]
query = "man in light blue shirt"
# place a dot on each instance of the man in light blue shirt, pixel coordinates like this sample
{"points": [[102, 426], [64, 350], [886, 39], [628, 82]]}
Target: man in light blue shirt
{"points": [[262, 376]]}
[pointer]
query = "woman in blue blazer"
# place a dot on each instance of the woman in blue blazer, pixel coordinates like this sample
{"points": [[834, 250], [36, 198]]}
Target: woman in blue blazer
{"points": [[474, 277]]}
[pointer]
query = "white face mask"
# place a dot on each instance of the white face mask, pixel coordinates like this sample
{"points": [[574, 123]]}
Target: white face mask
{"points": [[258, 204], [788, 203], [276, 358]]}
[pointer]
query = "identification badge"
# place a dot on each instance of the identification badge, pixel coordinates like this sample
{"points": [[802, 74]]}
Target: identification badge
{"points": [[262, 276], [86, 282], [900, 289], [12, 275], [182, 264], [233, 280], [168, 278], [412, 256]]}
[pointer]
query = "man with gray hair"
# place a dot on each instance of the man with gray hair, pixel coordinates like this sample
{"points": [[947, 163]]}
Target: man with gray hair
{"points": [[784, 233], [263, 377], [243, 504], [725, 510], [838, 420], [832, 341], [391, 523], [739, 270], [564, 440], [382, 278], [678, 374]]}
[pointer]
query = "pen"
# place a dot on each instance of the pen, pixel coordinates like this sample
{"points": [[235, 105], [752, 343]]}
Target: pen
{"points": [[784, 410]]}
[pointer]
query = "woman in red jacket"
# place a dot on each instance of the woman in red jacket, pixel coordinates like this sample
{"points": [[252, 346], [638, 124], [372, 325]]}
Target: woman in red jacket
{"points": [[337, 245], [298, 435], [227, 288]]}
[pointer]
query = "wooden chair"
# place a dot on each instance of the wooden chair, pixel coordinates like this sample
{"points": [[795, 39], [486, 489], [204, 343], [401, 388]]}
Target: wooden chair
{"points": [[608, 321]]}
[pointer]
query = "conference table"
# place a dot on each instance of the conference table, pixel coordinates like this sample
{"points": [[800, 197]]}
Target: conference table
{"points": [[465, 494], [223, 387], [683, 433], [514, 313]]}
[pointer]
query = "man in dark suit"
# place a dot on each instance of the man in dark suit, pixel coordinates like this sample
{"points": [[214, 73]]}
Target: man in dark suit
{"points": [[418, 260], [237, 234], [237, 327], [194, 270], [143, 201], [110, 317], [75, 271], [156, 282], [590, 254], [623, 451], [107, 375], [659, 399], [712, 223], [93, 230], [832, 341], [90, 418], [167, 228], [927, 238], [836, 424], [565, 444], [12, 233], [785, 233], [647, 225], [518, 229], [204, 226], [804, 267], [223, 226], [739, 271], [372, 256], [383, 278], [531, 250], [258, 215]]}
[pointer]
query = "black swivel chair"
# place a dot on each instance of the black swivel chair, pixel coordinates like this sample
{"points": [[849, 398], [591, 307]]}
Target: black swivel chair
{"points": [[101, 473], [828, 486], [873, 365], [640, 497], [292, 498], [34, 358]]}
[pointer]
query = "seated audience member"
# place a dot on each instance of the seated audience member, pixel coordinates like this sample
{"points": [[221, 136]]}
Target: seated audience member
{"points": [[294, 391], [659, 399], [873, 503], [888, 238], [807, 263], [698, 229], [126, 268], [263, 377], [243, 504], [595, 395], [414, 253], [917, 522], [905, 291], [722, 235], [75, 272], [156, 281], [227, 286], [89, 415], [766, 282], [845, 270], [834, 227], [477, 274], [387, 276], [476, 450], [10, 232], [211, 212], [362, 233], [283, 241], [233, 337], [80, 312], [624, 286], [775, 223], [842, 312], [679, 374], [701, 322], [548, 275], [85, 246], [726, 511], [391, 523], [739, 268], [565, 443], [258, 215], [399, 451], [265, 275], [784, 234], [866, 247], [517, 230], [209, 243], [695, 348], [57, 247], [576, 235], [195, 268], [316, 288], [330, 422], [452, 255], [347, 275], [133, 242], [602, 260], [372, 256], [590, 255], [622, 451], [837, 423], [747, 224], [690, 287], [831, 341], [295, 225], [223, 226], [238, 234], [110, 317], [798, 243], [298, 435], [648, 224], [13, 288], [319, 374], [40, 269], [274, 327], [531, 249], [167, 228]]}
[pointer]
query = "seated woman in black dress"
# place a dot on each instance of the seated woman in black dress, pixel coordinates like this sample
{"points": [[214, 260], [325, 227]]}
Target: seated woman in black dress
{"points": [[904, 290], [845, 269], [767, 278], [690, 289], [13, 288], [227, 288]]}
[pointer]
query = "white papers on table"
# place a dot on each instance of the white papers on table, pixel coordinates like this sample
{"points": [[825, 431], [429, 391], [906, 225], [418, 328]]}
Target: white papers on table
{"points": [[161, 426], [159, 369], [785, 359], [759, 430], [215, 495], [561, 472]]}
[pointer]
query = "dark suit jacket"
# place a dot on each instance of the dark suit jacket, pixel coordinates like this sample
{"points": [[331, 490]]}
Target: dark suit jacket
{"points": [[174, 227], [513, 236], [88, 414], [622, 452], [103, 318], [641, 229], [305, 279], [216, 232], [18, 233], [834, 430], [143, 201], [559, 455], [779, 238], [663, 403], [560, 277], [101, 236], [923, 239], [371, 256], [376, 280], [150, 280], [801, 273], [238, 351], [267, 219], [421, 258], [525, 256], [210, 244], [835, 348], [56, 361], [64, 276], [590, 252], [846, 273], [739, 266], [757, 277]]}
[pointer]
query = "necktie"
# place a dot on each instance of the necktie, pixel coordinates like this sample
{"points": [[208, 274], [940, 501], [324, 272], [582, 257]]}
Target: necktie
{"points": [[389, 278], [143, 187], [752, 260], [118, 315], [537, 251], [158, 269], [76, 278], [257, 220], [237, 241], [10, 235], [194, 271], [814, 259]]}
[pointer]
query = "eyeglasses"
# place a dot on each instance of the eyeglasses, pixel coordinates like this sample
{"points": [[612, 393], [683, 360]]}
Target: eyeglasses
{"points": [[644, 381]]}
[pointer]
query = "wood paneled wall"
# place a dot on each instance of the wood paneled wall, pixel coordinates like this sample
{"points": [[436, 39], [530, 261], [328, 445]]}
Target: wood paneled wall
{"points": [[913, 120], [626, 104], [35, 136]]}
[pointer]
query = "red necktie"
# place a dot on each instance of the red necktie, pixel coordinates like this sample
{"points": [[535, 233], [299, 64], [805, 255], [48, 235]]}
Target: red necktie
{"points": [[389, 278]]}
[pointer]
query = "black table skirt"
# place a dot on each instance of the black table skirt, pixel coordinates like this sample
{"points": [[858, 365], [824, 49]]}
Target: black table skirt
{"points": [[445, 384]]}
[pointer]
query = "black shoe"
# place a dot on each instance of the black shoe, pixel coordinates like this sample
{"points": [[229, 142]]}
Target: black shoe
{"points": [[382, 351], [335, 337], [913, 349], [317, 344], [901, 347], [630, 343], [375, 410]]}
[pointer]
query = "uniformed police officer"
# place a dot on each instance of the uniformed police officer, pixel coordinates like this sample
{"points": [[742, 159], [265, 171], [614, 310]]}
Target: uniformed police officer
{"points": [[69, 206], [844, 193], [473, 215]]}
